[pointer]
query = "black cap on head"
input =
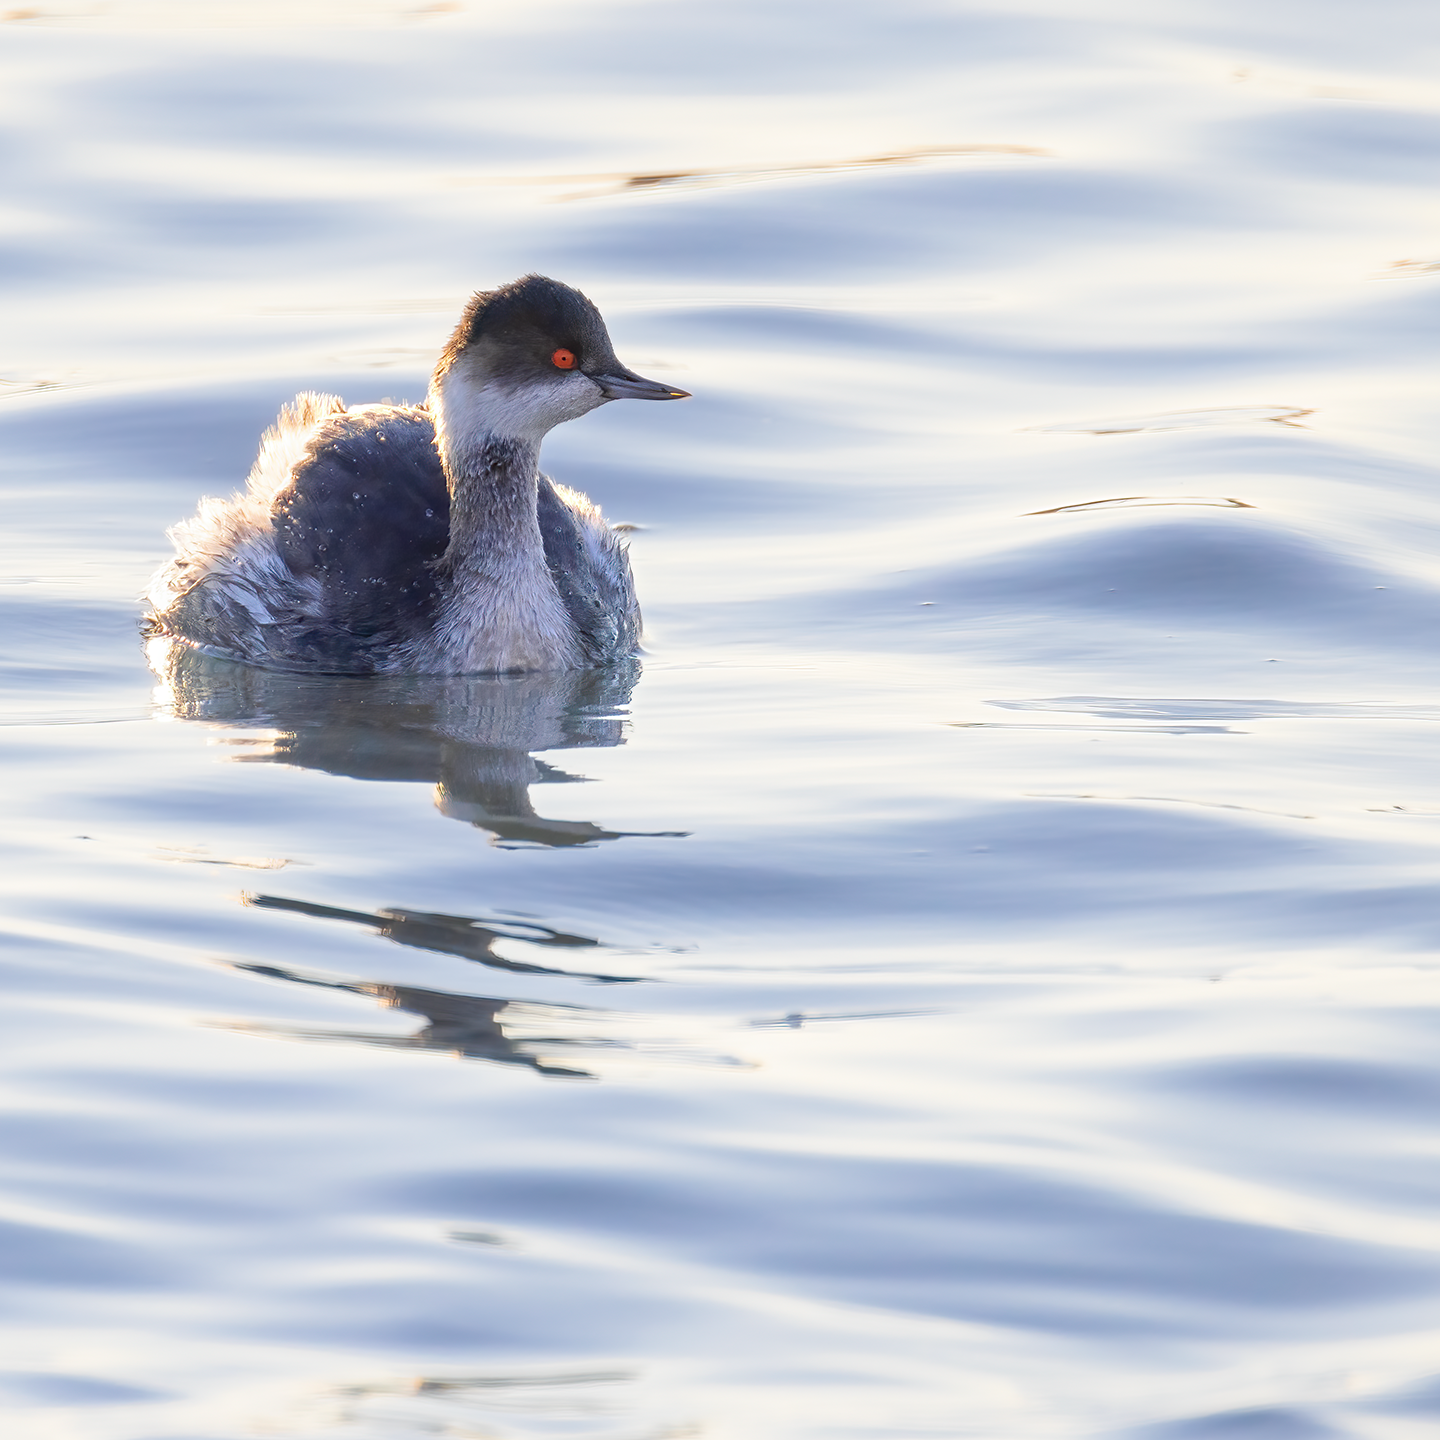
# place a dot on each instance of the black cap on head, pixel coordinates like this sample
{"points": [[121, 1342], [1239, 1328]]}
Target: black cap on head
{"points": [[535, 328], [528, 320]]}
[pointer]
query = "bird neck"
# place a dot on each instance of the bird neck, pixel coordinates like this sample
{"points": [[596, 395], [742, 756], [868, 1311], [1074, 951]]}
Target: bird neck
{"points": [[493, 482], [501, 610]]}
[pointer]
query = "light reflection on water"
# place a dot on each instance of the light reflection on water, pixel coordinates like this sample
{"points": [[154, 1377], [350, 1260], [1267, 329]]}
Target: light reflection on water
{"points": [[986, 981]]}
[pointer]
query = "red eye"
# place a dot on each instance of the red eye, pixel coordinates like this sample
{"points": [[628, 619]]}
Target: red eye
{"points": [[563, 360]]}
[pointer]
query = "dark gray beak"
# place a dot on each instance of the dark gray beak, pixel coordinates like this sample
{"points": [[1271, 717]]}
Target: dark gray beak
{"points": [[625, 385]]}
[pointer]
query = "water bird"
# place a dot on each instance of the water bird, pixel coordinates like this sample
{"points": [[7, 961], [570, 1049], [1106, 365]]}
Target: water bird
{"points": [[423, 539]]}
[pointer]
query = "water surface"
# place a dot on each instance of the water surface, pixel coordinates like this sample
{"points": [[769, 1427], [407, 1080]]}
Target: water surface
{"points": [[978, 975]]}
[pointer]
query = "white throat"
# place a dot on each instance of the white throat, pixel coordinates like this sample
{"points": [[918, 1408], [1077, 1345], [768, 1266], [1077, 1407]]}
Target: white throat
{"points": [[471, 404]]}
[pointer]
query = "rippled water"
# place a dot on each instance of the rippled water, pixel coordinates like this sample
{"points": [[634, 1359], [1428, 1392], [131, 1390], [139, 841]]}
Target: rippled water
{"points": [[988, 981]]}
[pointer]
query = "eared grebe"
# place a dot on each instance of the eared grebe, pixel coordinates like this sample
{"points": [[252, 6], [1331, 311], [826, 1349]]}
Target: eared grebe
{"points": [[423, 539]]}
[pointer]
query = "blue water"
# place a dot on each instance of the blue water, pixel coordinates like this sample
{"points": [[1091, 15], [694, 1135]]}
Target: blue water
{"points": [[980, 975]]}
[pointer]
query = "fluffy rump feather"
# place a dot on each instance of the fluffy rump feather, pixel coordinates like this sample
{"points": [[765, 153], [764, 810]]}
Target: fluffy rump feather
{"points": [[227, 582]]}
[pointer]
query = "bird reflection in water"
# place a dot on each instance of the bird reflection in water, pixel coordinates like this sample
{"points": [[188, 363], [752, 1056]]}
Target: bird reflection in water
{"points": [[505, 1031], [460, 935], [472, 736], [470, 1027]]}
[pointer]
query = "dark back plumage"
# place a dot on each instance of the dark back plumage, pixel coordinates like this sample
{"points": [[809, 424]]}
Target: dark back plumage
{"points": [[367, 515]]}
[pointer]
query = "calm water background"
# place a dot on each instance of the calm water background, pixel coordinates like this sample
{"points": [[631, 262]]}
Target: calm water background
{"points": [[990, 982]]}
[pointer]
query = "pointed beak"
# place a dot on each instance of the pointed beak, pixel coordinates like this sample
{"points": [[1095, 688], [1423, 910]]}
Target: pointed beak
{"points": [[625, 385]]}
